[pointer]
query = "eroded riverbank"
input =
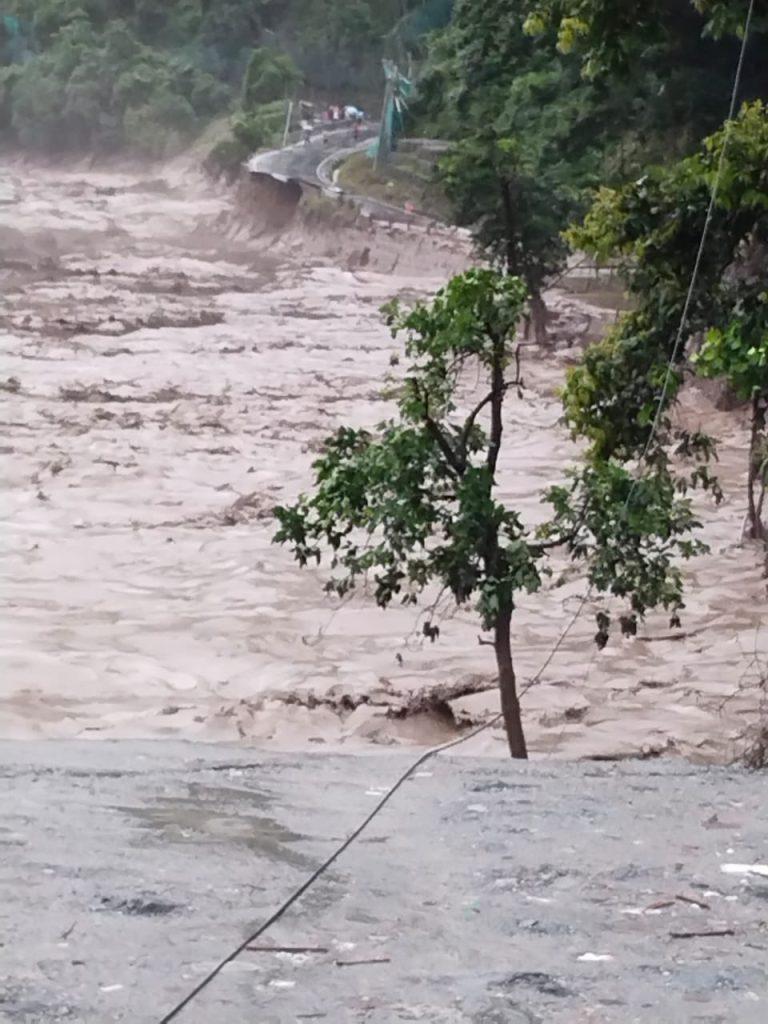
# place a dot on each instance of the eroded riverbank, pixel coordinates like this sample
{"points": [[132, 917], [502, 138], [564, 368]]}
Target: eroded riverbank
{"points": [[166, 378]]}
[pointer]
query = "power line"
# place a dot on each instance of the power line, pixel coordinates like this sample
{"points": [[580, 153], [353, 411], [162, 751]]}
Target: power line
{"points": [[434, 751], [682, 325], [704, 233], [298, 893]]}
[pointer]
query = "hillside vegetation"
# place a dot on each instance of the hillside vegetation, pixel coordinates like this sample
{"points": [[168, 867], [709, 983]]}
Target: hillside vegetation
{"points": [[146, 75]]}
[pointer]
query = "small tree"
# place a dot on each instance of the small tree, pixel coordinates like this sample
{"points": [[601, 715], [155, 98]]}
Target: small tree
{"points": [[414, 502]]}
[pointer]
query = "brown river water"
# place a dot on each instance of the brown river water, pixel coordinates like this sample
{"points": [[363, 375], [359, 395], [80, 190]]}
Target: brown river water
{"points": [[166, 379]]}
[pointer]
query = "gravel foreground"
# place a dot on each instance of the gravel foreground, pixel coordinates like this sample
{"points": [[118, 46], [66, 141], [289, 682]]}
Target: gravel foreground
{"points": [[485, 893]]}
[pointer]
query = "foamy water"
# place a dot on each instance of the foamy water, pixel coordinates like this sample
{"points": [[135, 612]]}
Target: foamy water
{"points": [[174, 380]]}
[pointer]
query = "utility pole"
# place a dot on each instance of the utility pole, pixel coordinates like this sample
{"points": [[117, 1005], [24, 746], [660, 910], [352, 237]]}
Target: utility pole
{"points": [[287, 130]]}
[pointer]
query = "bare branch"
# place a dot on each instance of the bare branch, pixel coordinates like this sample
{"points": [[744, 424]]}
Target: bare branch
{"points": [[558, 542]]}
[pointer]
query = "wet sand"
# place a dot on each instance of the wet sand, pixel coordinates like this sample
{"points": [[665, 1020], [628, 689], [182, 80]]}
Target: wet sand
{"points": [[166, 379]]}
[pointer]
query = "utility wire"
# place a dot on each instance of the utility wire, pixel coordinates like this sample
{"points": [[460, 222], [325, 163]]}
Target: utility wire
{"points": [[298, 893], [704, 233]]}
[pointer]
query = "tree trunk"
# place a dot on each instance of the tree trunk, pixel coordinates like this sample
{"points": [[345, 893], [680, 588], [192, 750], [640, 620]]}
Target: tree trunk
{"points": [[539, 317], [757, 470], [510, 705], [508, 207]]}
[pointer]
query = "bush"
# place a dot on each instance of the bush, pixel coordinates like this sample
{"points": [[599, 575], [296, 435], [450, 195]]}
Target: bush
{"points": [[260, 127], [159, 128], [226, 159]]}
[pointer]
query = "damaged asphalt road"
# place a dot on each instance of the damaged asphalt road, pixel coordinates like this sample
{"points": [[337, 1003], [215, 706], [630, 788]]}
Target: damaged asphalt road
{"points": [[486, 893]]}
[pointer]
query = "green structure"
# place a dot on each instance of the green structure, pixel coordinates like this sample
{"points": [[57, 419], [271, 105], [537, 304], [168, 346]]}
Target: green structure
{"points": [[396, 93], [14, 40]]}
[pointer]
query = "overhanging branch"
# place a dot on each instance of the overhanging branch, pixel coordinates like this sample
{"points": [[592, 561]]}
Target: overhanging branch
{"points": [[454, 461]]}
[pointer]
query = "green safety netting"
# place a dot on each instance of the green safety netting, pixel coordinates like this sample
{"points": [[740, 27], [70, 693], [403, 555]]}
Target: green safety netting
{"points": [[399, 88], [404, 41], [14, 40]]}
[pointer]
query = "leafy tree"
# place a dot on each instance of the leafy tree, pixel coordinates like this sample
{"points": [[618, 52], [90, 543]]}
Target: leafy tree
{"points": [[668, 64], [653, 226], [527, 133], [415, 502], [612, 35], [270, 76]]}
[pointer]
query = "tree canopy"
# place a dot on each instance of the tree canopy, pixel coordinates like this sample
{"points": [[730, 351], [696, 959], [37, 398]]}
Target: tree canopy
{"points": [[413, 503], [106, 74], [654, 227]]}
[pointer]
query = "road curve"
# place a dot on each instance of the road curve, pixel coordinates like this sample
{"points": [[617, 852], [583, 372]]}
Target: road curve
{"points": [[301, 161], [312, 164]]}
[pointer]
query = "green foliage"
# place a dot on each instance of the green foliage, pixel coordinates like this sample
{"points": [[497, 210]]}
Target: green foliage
{"points": [[653, 226], [619, 397], [665, 68], [528, 132], [613, 35], [631, 529], [100, 89], [260, 127], [414, 502], [739, 353], [103, 74], [270, 76]]}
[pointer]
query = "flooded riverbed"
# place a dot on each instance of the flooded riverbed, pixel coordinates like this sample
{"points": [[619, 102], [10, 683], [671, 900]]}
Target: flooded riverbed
{"points": [[166, 379]]}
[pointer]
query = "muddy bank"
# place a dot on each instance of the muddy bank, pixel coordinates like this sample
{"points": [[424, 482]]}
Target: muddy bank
{"points": [[168, 373], [303, 224]]}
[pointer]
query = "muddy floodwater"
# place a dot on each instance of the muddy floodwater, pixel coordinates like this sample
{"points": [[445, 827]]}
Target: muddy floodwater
{"points": [[165, 379]]}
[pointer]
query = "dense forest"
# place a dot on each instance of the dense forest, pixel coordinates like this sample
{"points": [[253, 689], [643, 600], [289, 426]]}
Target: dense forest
{"points": [[103, 75]]}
